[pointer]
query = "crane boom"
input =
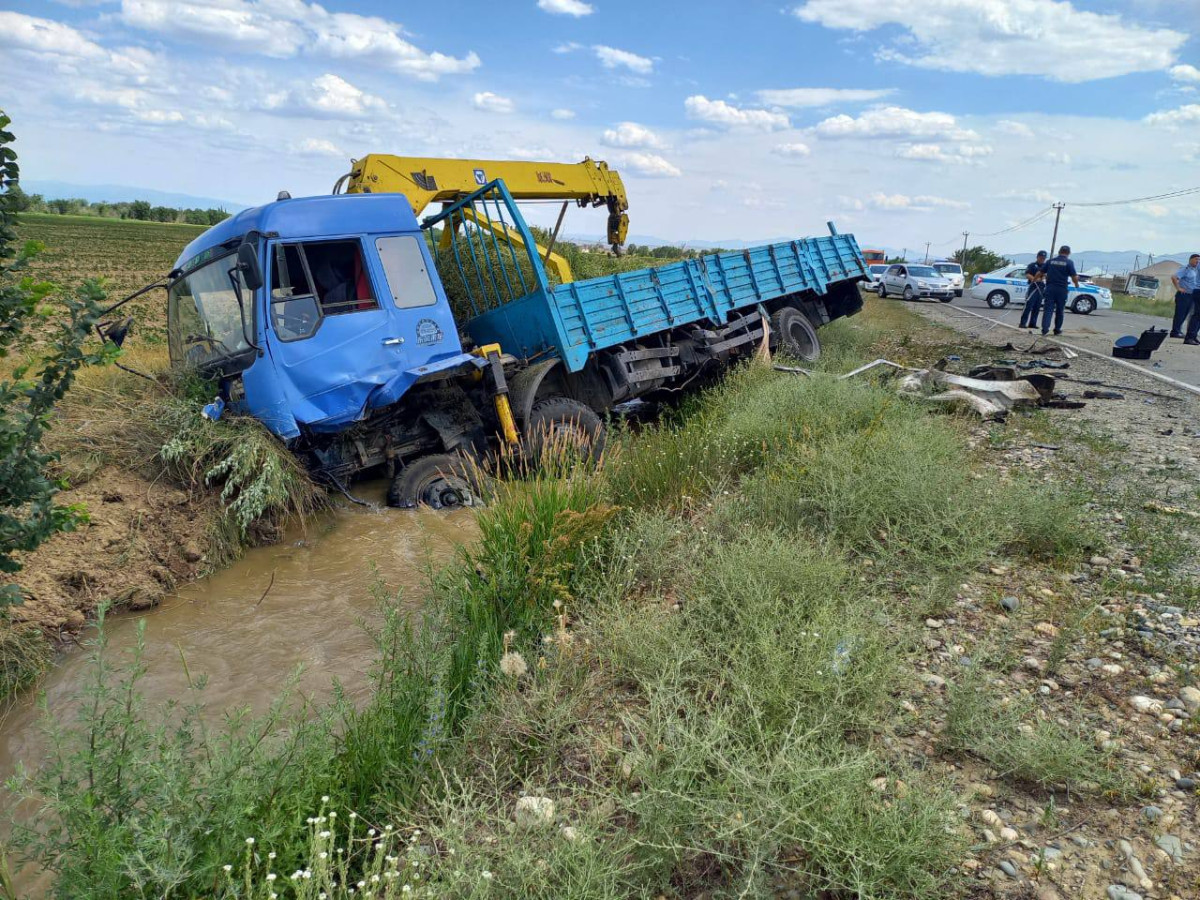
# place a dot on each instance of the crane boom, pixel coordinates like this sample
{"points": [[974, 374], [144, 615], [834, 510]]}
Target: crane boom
{"points": [[431, 180]]}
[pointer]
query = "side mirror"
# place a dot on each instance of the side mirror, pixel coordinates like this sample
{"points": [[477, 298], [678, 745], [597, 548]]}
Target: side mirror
{"points": [[247, 264]]}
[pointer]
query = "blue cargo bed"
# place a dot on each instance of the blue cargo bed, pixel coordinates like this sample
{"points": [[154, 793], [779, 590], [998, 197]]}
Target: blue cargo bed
{"points": [[575, 320]]}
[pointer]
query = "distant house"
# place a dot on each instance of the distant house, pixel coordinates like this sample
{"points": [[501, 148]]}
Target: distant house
{"points": [[1154, 281]]}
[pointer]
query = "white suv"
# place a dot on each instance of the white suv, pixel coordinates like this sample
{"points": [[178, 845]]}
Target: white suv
{"points": [[910, 281], [953, 273]]}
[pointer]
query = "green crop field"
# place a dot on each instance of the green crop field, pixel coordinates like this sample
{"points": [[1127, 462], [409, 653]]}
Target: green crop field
{"points": [[128, 254]]}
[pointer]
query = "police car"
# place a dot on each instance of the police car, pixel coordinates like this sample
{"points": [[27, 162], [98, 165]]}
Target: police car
{"points": [[1008, 285]]}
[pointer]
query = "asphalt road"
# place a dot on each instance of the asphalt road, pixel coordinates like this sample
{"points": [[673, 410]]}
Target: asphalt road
{"points": [[1098, 331]]}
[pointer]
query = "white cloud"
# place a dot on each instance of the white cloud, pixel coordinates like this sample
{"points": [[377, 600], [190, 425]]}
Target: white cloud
{"points": [[68, 50], [650, 165], [1048, 38], [960, 154], [574, 8], [287, 28], [1030, 194], [563, 115], [796, 98], [328, 96], [631, 134], [1173, 118], [1057, 159], [794, 150], [1016, 129], [320, 147], [567, 47], [894, 122], [613, 58], [489, 102], [903, 202], [718, 112], [1185, 73]]}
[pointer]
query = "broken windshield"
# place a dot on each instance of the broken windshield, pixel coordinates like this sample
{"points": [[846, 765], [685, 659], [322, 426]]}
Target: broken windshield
{"points": [[205, 321]]}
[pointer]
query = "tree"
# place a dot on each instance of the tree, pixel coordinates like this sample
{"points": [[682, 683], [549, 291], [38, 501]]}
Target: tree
{"points": [[28, 513], [979, 259], [139, 209]]}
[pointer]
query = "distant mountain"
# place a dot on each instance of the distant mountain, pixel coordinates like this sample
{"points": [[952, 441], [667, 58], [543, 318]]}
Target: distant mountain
{"points": [[115, 193]]}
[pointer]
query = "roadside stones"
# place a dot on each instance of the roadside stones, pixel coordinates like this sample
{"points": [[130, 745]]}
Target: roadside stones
{"points": [[1100, 561], [934, 681], [1172, 846], [1145, 704], [1185, 784], [1011, 604], [534, 812], [1151, 813], [1190, 697], [1008, 869], [1120, 892]]}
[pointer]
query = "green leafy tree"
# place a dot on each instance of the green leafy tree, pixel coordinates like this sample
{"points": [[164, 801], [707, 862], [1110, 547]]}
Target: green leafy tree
{"points": [[28, 513], [979, 259]]}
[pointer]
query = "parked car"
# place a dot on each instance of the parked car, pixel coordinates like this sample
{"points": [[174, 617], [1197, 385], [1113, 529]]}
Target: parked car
{"points": [[911, 281], [876, 272], [952, 272], [1008, 285]]}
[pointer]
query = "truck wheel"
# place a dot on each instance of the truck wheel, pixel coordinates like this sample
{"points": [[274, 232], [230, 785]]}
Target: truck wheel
{"points": [[997, 299], [796, 336], [439, 481], [562, 426]]}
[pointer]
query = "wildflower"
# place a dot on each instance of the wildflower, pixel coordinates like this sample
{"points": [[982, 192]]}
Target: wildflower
{"points": [[513, 665], [487, 876], [324, 834], [332, 815], [271, 855], [271, 876], [322, 855], [353, 816], [407, 889], [325, 799], [249, 842], [227, 867]]}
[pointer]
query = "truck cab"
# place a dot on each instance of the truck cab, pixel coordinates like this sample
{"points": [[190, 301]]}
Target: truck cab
{"points": [[347, 318]]}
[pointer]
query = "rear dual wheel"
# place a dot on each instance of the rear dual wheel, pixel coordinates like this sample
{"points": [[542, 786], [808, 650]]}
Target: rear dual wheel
{"points": [[440, 481], [562, 429], [795, 334]]}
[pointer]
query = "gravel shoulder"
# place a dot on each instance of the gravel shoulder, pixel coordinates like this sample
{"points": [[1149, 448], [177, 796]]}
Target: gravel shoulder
{"points": [[1108, 649]]}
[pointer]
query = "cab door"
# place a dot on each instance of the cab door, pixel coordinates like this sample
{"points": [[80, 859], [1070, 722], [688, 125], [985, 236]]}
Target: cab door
{"points": [[1018, 286], [332, 339]]}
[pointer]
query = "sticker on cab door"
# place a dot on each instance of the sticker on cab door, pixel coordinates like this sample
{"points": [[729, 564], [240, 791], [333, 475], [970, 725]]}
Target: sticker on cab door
{"points": [[480, 177], [428, 333]]}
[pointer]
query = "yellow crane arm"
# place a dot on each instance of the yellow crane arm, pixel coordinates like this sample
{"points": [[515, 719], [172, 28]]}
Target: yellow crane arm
{"points": [[430, 180]]}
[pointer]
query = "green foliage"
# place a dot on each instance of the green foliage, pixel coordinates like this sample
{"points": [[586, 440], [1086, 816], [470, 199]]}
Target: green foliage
{"points": [[978, 260], [24, 655], [1010, 735], [28, 513], [139, 210]]}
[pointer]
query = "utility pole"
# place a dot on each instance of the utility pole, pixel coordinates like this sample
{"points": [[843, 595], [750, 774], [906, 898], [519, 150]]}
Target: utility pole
{"points": [[904, 253], [963, 261], [927, 243], [1058, 208]]}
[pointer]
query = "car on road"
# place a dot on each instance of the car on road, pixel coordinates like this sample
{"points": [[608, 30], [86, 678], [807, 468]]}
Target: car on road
{"points": [[910, 281], [952, 272], [876, 272], [1008, 285]]}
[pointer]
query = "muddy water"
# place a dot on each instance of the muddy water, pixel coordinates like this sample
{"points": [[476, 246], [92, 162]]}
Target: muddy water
{"points": [[295, 605]]}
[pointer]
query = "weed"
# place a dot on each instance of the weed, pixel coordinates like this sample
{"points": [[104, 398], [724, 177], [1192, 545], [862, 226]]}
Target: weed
{"points": [[1008, 734], [24, 654]]}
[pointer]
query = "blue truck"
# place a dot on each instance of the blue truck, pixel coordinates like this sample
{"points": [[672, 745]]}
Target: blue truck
{"points": [[329, 320]]}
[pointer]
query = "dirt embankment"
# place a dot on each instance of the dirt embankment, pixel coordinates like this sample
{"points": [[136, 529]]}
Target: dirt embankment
{"points": [[142, 539]]}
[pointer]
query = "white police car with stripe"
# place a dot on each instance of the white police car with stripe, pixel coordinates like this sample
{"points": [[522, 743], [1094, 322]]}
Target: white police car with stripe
{"points": [[1008, 285]]}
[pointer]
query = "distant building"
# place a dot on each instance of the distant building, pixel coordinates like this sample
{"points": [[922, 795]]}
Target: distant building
{"points": [[1154, 281]]}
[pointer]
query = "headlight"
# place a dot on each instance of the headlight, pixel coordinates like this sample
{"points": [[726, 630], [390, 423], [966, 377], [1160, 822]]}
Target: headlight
{"points": [[923, 284]]}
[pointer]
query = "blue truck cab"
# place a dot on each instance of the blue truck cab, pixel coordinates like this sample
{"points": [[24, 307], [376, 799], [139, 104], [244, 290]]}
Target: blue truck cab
{"points": [[328, 319]]}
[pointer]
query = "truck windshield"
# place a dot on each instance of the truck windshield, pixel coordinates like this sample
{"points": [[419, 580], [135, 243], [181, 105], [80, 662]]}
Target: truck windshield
{"points": [[204, 319]]}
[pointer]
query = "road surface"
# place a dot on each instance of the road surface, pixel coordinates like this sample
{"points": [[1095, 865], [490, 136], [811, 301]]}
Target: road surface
{"points": [[1098, 331]]}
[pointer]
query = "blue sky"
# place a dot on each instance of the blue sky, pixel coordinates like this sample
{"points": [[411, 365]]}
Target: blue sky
{"points": [[905, 123]]}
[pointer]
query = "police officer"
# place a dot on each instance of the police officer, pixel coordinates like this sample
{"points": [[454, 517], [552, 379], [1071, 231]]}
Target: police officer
{"points": [[1034, 275], [1059, 271], [1187, 283]]}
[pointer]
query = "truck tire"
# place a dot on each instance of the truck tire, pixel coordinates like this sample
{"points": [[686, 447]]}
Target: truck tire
{"points": [[795, 334], [439, 481], [562, 425]]}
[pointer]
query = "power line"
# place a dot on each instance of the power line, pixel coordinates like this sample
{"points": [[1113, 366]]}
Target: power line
{"points": [[1167, 196], [1037, 218]]}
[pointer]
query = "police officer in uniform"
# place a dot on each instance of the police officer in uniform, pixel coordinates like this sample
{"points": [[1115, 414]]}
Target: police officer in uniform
{"points": [[1059, 271], [1034, 275], [1187, 284]]}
